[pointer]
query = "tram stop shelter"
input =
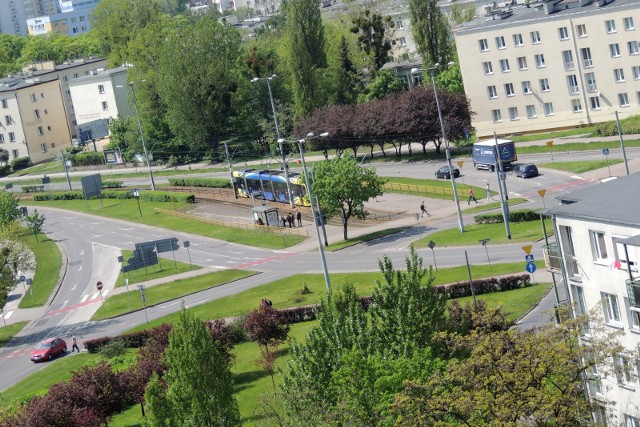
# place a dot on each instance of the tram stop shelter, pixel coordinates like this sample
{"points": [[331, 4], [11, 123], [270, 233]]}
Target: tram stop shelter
{"points": [[268, 214]]}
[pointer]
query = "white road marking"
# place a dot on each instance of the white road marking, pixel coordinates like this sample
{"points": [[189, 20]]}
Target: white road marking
{"points": [[81, 253], [218, 266], [80, 268], [74, 286], [104, 294], [65, 303], [9, 313], [84, 298], [95, 236]]}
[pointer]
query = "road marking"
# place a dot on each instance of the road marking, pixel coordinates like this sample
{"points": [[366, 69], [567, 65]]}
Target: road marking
{"points": [[218, 266], [9, 313], [81, 253], [104, 294], [74, 286], [65, 303], [96, 235], [84, 298], [80, 268]]}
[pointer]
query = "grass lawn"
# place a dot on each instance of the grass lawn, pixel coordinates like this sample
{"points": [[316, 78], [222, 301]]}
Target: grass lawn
{"points": [[116, 305], [153, 272], [365, 238], [433, 188], [49, 261], [551, 135], [9, 331], [529, 231], [516, 307], [127, 210], [492, 205], [578, 146], [581, 166]]}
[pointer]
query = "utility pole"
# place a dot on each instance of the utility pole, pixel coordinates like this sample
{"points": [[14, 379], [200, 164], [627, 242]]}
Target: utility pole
{"points": [[624, 153], [66, 171], [144, 147], [226, 150], [503, 202]]}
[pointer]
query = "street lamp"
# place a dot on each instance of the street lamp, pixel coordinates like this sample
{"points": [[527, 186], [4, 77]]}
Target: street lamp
{"points": [[135, 193], [283, 160], [315, 224], [444, 139]]}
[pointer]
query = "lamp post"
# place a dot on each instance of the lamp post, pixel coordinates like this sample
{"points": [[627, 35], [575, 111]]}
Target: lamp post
{"points": [[144, 147], [315, 224], [136, 194], [283, 160], [446, 142]]}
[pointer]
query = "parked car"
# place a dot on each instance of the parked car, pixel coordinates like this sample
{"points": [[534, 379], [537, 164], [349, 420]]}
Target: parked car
{"points": [[443, 172], [48, 349], [525, 170]]}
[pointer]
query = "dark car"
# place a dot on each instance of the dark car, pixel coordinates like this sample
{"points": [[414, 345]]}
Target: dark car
{"points": [[525, 170], [48, 349], [443, 172]]}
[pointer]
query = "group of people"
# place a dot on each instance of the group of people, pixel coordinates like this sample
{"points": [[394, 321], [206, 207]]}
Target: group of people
{"points": [[291, 219]]}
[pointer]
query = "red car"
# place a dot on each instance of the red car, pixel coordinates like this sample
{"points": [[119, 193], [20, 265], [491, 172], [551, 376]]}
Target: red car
{"points": [[48, 349]]}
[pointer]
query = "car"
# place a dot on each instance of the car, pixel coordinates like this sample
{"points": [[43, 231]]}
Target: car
{"points": [[525, 170], [48, 349], [443, 172]]}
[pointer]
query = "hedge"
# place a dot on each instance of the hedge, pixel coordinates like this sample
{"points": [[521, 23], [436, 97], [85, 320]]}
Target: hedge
{"points": [[112, 184], [484, 286], [20, 163], [148, 196], [200, 182], [87, 159], [515, 216], [5, 170]]}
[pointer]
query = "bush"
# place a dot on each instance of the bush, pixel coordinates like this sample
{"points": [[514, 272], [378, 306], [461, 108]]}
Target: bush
{"points": [[112, 184], [485, 286], [515, 216], [20, 163], [149, 196], [87, 159], [5, 170], [629, 125], [112, 349], [200, 182]]}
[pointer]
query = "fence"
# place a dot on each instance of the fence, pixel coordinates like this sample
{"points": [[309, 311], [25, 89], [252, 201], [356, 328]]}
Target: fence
{"points": [[421, 189]]}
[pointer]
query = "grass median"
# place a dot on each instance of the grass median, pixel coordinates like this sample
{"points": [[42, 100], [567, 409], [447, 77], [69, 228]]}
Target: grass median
{"points": [[580, 166], [364, 238], [164, 268], [117, 305], [49, 262], [492, 205], [10, 331], [432, 188]]}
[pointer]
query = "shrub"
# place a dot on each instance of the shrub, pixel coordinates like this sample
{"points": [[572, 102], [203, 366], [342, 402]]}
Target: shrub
{"points": [[5, 170], [87, 159], [112, 184], [112, 349], [200, 182], [20, 163], [484, 286], [629, 125], [149, 196], [515, 216]]}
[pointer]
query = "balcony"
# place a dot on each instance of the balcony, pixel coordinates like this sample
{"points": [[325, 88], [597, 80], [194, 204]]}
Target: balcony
{"points": [[592, 87], [633, 290], [569, 66], [573, 90], [552, 259], [587, 63]]}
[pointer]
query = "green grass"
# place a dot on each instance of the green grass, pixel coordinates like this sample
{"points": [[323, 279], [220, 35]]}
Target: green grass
{"points": [[492, 205], [530, 231], [516, 307], [123, 303], [364, 238], [127, 210], [49, 262], [53, 166], [581, 166], [552, 135], [433, 188], [10, 331], [169, 268], [578, 146]]}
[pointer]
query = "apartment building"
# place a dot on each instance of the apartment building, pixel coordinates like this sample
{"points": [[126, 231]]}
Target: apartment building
{"points": [[551, 65], [72, 19], [596, 259]]}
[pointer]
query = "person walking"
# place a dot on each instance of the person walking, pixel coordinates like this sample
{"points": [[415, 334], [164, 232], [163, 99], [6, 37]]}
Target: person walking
{"points": [[423, 210], [299, 218], [283, 220], [75, 344], [471, 196], [488, 188]]}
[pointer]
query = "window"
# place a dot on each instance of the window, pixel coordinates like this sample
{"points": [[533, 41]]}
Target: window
{"points": [[548, 108], [522, 63], [593, 379], [623, 99], [517, 40], [5, 103], [576, 105], [595, 102], [614, 49], [75, 75], [531, 111], [586, 57], [638, 97], [101, 87], [33, 97], [8, 120], [563, 33], [44, 147], [634, 47], [1, 138], [493, 93], [581, 308], [634, 322], [40, 130], [105, 106], [610, 307], [630, 421], [15, 154], [65, 79], [572, 84], [635, 70], [504, 65], [618, 73], [544, 85], [82, 19], [628, 24], [399, 25], [488, 68], [567, 58], [598, 245], [610, 25], [540, 60], [513, 113], [12, 137], [581, 29], [402, 41], [624, 370], [508, 89], [500, 44], [68, 93], [590, 78], [526, 87], [36, 113], [484, 45], [497, 117], [599, 415], [535, 37]]}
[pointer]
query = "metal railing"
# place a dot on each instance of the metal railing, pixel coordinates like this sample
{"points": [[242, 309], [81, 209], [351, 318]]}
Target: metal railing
{"points": [[553, 260], [573, 90], [569, 66], [592, 87]]}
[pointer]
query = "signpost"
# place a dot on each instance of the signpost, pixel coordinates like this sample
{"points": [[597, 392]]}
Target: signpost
{"points": [[542, 193], [99, 286], [432, 245], [530, 266], [144, 300], [460, 163], [186, 245], [605, 153], [484, 242], [550, 145]]}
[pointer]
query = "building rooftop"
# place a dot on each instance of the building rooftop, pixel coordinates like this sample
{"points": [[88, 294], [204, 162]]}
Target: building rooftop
{"points": [[614, 201], [100, 74], [9, 84]]}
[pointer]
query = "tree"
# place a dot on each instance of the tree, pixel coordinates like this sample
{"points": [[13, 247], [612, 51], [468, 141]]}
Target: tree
{"points": [[35, 221], [262, 325], [199, 385], [9, 211], [450, 79], [348, 80], [342, 187], [15, 257], [431, 32], [372, 37], [306, 54], [385, 83], [10, 50]]}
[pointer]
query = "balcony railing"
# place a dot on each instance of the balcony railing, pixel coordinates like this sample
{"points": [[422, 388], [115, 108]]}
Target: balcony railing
{"points": [[553, 261], [592, 87], [587, 63], [633, 290], [568, 66], [573, 90]]}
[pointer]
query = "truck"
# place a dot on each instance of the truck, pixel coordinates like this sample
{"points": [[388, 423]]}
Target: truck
{"points": [[484, 156]]}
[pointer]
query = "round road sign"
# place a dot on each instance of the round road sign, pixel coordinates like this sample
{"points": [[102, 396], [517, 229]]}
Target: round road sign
{"points": [[99, 286]]}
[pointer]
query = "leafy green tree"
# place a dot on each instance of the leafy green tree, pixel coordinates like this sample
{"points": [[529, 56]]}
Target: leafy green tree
{"points": [[10, 51], [35, 221], [15, 256], [450, 79], [384, 83], [199, 384], [348, 79], [342, 187], [431, 32], [9, 211], [372, 36], [306, 54], [461, 13]]}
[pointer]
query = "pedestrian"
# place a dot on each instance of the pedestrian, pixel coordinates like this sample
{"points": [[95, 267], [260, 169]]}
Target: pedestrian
{"points": [[471, 196], [299, 218], [423, 210], [489, 196], [290, 219], [75, 344], [283, 220]]}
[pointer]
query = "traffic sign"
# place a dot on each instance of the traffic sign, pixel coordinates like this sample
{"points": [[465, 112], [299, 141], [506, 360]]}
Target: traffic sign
{"points": [[431, 244], [22, 278], [460, 163], [142, 297], [542, 192], [549, 144], [528, 258], [605, 151], [99, 286], [417, 216], [527, 249], [531, 267]]}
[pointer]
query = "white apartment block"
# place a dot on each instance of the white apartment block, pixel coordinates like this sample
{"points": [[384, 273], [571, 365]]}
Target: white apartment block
{"points": [[553, 65], [596, 256]]}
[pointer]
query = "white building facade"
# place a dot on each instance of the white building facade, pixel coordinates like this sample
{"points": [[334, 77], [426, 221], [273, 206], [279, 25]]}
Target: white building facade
{"points": [[553, 65]]}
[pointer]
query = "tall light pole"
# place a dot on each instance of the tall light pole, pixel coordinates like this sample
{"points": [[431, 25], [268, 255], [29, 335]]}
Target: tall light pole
{"points": [[446, 142], [624, 153], [144, 147], [283, 160]]}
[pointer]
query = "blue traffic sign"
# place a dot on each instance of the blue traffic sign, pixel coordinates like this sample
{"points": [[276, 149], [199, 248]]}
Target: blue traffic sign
{"points": [[528, 258], [22, 278], [531, 267], [605, 151]]}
